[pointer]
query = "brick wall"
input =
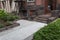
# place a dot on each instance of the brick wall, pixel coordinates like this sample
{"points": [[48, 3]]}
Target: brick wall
{"points": [[38, 2], [58, 1]]}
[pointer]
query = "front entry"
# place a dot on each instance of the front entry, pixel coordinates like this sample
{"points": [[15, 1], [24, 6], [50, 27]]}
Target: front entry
{"points": [[50, 5]]}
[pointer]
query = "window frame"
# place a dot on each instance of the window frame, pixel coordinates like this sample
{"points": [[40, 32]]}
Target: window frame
{"points": [[31, 1]]}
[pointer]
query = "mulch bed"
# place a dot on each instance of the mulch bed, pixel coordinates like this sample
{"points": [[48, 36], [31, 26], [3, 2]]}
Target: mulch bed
{"points": [[9, 27]]}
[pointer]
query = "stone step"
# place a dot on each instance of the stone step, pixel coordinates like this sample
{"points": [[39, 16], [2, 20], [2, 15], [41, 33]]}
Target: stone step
{"points": [[44, 16], [44, 21], [41, 19]]}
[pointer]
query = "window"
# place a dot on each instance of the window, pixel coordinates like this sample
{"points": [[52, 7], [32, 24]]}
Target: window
{"points": [[30, 0]]}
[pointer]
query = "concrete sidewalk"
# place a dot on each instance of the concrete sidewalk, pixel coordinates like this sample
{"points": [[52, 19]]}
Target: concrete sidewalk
{"points": [[22, 32]]}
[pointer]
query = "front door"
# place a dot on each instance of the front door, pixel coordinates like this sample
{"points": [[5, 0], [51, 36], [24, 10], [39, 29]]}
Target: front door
{"points": [[52, 4], [49, 5]]}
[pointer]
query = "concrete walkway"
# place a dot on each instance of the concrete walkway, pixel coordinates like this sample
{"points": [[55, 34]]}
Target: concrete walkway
{"points": [[22, 32]]}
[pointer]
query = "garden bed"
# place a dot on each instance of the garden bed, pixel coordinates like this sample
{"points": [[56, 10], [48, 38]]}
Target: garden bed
{"points": [[9, 27], [7, 21]]}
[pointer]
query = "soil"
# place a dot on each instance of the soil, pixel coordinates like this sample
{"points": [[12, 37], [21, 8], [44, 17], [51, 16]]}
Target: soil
{"points": [[7, 27]]}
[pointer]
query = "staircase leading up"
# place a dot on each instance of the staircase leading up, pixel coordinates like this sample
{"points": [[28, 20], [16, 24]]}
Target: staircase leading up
{"points": [[42, 18]]}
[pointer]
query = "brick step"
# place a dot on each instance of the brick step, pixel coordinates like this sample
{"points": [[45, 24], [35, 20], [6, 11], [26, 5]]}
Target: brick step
{"points": [[44, 21], [40, 19], [44, 16], [33, 16]]}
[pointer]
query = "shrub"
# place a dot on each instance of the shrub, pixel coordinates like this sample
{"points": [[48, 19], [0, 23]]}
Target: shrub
{"points": [[1, 25], [6, 19], [49, 32], [6, 16], [11, 17]]}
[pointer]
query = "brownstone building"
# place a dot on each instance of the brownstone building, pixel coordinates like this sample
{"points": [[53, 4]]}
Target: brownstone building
{"points": [[28, 7]]}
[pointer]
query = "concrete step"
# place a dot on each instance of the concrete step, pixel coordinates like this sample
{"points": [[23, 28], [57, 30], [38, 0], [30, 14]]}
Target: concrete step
{"points": [[41, 21]]}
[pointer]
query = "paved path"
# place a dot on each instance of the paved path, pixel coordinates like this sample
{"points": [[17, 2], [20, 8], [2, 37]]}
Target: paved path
{"points": [[26, 29]]}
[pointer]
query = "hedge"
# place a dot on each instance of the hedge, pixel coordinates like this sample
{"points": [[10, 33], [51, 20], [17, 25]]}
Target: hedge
{"points": [[49, 32], [7, 17]]}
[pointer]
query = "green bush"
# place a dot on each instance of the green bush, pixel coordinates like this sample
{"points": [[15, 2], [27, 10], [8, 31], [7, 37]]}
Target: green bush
{"points": [[6, 16], [1, 25], [12, 17], [49, 32], [6, 19]]}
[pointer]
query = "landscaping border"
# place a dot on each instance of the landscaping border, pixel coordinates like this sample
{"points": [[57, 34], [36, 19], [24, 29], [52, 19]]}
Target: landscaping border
{"points": [[9, 27]]}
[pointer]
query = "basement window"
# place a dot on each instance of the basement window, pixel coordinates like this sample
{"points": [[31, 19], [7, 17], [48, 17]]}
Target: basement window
{"points": [[30, 0]]}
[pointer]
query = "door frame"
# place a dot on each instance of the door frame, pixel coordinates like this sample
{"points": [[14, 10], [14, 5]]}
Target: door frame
{"points": [[46, 5], [54, 4]]}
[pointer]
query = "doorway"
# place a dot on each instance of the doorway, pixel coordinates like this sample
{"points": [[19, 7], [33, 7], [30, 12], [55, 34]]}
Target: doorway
{"points": [[52, 4]]}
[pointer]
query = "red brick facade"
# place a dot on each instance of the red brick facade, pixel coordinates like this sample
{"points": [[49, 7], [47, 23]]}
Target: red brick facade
{"points": [[39, 2]]}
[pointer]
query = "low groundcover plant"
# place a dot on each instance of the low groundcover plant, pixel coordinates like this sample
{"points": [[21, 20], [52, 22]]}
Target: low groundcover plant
{"points": [[49, 32]]}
